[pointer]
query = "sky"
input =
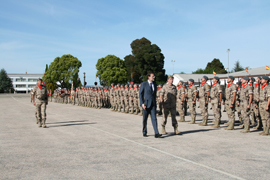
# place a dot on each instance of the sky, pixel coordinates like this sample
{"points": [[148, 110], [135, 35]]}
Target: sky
{"points": [[34, 32]]}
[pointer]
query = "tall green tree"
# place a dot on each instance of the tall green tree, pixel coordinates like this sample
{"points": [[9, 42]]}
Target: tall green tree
{"points": [[146, 57], [5, 82], [237, 67], [111, 69], [64, 70]]}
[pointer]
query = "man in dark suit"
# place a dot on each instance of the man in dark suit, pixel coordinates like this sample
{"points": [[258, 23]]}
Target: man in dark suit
{"points": [[148, 103]]}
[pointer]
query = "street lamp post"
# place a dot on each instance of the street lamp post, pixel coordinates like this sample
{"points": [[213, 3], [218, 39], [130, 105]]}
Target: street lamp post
{"points": [[228, 51], [84, 79], [173, 61]]}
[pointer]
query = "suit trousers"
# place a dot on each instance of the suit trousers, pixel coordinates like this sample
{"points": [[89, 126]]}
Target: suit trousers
{"points": [[152, 112]]}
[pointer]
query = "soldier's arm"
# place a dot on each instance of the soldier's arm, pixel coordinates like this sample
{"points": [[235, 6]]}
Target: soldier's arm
{"points": [[220, 97], [207, 96], [233, 100], [268, 104], [250, 100]]}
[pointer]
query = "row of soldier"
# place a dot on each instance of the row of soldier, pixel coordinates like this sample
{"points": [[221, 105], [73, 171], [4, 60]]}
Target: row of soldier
{"points": [[243, 97]]}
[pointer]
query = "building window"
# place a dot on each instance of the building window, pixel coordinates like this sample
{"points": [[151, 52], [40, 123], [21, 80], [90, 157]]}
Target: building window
{"points": [[20, 79], [20, 85], [32, 80], [31, 86]]}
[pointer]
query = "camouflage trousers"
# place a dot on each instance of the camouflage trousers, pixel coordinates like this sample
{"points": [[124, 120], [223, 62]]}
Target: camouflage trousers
{"points": [[204, 108], [192, 109], [216, 109], [41, 111], [230, 111], [245, 112], [126, 104], [166, 112], [180, 108], [265, 115]]}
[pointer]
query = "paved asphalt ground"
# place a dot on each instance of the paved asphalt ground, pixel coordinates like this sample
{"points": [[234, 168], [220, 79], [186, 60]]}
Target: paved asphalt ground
{"points": [[85, 143]]}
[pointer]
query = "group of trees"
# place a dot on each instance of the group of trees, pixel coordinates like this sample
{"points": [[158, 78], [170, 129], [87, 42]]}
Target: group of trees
{"points": [[146, 57], [216, 66]]}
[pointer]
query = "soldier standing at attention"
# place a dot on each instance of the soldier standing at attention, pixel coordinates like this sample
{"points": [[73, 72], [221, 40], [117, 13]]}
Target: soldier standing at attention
{"points": [[229, 103], [191, 96], [256, 102], [158, 99], [252, 108], [130, 98], [40, 100], [237, 105], [126, 104], [216, 98], [112, 96], [246, 97], [168, 97], [181, 101], [204, 92], [264, 104]]}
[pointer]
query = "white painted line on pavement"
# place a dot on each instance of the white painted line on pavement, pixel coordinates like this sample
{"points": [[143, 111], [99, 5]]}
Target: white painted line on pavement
{"points": [[178, 157]]}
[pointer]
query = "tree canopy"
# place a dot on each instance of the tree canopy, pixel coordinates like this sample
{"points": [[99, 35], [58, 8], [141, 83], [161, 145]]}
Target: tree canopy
{"points": [[237, 67], [5, 82], [214, 65], [111, 69], [145, 57], [64, 70]]}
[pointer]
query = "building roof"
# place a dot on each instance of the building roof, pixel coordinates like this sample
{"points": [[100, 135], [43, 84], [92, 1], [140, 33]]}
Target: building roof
{"points": [[24, 75], [255, 72]]}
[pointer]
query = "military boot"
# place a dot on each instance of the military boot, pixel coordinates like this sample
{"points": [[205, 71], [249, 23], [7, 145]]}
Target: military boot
{"points": [[261, 133], [192, 120], [176, 132], [182, 119], [132, 111], [163, 131], [136, 112], [266, 132], [216, 125], [259, 125], [227, 123], [204, 123], [140, 114], [230, 127], [246, 129]]}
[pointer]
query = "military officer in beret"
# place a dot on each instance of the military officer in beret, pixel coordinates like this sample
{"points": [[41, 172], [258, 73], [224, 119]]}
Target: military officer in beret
{"points": [[181, 93], [168, 98], [204, 92], [40, 100], [264, 103], [230, 95], [191, 96], [246, 98]]}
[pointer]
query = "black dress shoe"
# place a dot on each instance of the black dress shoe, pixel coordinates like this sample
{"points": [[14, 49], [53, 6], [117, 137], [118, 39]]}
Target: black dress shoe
{"points": [[145, 135], [158, 135]]}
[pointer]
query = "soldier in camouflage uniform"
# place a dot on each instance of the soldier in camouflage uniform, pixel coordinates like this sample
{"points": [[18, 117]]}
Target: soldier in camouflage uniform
{"points": [[158, 99], [191, 96], [237, 104], [204, 92], [256, 103], [264, 103], [252, 108], [246, 97], [112, 96], [216, 98], [168, 95], [40, 100], [121, 97], [181, 95], [117, 98], [136, 100], [126, 97], [230, 95], [141, 111], [130, 98]]}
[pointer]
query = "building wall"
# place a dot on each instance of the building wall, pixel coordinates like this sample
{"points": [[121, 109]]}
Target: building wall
{"points": [[23, 83]]}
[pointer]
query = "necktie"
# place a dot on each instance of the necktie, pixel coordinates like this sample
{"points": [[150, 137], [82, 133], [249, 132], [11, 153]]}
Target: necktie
{"points": [[151, 87]]}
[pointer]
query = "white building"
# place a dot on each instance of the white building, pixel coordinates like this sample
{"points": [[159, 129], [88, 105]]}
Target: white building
{"points": [[23, 83], [255, 72]]}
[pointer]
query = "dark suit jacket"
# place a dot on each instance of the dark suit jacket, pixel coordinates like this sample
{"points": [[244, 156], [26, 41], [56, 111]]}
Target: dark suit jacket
{"points": [[147, 97]]}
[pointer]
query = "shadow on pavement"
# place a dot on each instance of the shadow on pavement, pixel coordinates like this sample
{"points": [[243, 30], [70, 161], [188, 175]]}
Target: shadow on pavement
{"points": [[74, 124], [68, 122], [198, 130]]}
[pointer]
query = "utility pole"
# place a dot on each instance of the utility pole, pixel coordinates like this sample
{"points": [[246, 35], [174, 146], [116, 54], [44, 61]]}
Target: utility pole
{"points": [[84, 79]]}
